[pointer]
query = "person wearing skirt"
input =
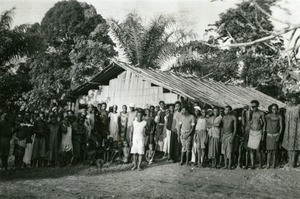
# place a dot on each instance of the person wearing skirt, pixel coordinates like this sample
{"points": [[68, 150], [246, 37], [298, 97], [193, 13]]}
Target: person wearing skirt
{"points": [[274, 129], [214, 136]]}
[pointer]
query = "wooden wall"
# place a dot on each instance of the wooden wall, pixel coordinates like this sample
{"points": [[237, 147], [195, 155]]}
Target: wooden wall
{"points": [[129, 88]]}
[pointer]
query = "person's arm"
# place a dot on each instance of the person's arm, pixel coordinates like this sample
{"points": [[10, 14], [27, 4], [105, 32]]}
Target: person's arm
{"points": [[131, 133], [280, 127], [192, 127], [234, 128], [144, 131], [217, 122], [147, 156], [152, 158], [264, 125]]}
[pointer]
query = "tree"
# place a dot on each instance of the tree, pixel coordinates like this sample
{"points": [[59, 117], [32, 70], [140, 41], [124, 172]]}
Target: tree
{"points": [[77, 45], [148, 46], [287, 60], [206, 61], [256, 64], [16, 44]]}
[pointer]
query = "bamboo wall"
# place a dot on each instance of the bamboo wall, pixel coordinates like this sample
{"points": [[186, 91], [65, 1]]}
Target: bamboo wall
{"points": [[128, 88]]}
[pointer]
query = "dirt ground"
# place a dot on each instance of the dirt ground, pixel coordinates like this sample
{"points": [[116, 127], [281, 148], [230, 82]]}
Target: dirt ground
{"points": [[161, 180]]}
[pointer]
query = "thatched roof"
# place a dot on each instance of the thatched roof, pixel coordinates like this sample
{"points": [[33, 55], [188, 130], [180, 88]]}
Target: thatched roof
{"points": [[190, 86]]}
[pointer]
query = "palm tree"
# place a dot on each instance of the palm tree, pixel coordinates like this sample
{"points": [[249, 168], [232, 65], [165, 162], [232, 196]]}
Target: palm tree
{"points": [[148, 46], [16, 42]]}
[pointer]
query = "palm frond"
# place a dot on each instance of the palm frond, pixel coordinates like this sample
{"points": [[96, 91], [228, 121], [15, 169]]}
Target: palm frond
{"points": [[6, 18]]}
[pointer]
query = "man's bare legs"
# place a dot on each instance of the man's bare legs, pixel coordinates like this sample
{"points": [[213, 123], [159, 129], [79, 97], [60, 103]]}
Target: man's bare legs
{"points": [[187, 157], [239, 157], [182, 156]]}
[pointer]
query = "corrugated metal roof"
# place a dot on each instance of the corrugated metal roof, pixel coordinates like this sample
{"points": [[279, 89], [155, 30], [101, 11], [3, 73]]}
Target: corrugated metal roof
{"points": [[190, 86]]}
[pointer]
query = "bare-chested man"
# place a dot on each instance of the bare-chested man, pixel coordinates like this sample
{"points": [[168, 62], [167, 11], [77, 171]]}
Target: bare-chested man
{"points": [[228, 133], [257, 131]]}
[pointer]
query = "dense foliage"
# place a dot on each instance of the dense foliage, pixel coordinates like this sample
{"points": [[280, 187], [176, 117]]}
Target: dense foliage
{"points": [[77, 45], [252, 65]]}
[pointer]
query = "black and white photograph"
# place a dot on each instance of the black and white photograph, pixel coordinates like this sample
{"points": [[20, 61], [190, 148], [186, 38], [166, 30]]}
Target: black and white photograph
{"points": [[162, 99]]}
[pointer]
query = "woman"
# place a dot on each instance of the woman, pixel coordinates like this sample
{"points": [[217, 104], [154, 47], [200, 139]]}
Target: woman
{"points": [[291, 139], [123, 122], [114, 123], [274, 129]]}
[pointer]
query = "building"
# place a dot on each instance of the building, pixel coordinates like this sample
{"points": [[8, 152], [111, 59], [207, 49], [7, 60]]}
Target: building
{"points": [[122, 84]]}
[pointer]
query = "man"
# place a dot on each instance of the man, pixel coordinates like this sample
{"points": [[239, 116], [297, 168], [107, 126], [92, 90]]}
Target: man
{"points": [[246, 129], [175, 139], [6, 130], [160, 121], [228, 133], [131, 118], [168, 133], [186, 127], [257, 132], [39, 146]]}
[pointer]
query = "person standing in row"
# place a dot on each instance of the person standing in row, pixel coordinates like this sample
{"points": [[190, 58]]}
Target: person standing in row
{"points": [[291, 139], [114, 123], [228, 133], [123, 122], [54, 130], [131, 117], [39, 146], [168, 132], [214, 131], [186, 128], [175, 141], [257, 132], [138, 146], [104, 121], [274, 129], [160, 123], [201, 136]]}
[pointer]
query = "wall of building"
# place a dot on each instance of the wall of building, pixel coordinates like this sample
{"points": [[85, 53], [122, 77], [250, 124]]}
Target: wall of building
{"points": [[129, 88]]}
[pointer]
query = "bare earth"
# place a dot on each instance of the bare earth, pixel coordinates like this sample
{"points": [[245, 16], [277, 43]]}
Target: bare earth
{"points": [[158, 181]]}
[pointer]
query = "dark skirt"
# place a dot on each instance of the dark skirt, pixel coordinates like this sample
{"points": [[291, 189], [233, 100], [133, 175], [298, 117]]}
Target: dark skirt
{"points": [[4, 146]]}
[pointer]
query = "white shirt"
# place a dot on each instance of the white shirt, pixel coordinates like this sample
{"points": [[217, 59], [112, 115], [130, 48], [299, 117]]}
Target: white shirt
{"points": [[138, 128]]}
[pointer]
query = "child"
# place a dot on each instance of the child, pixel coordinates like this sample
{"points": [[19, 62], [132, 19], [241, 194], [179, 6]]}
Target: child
{"points": [[150, 154], [126, 152], [138, 145]]}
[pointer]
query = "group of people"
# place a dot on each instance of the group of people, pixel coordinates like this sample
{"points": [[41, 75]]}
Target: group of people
{"points": [[188, 134]]}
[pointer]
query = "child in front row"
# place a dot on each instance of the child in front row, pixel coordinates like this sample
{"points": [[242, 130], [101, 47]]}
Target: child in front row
{"points": [[150, 153]]}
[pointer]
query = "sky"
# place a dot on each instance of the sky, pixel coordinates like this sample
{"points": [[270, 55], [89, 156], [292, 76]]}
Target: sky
{"points": [[190, 14]]}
